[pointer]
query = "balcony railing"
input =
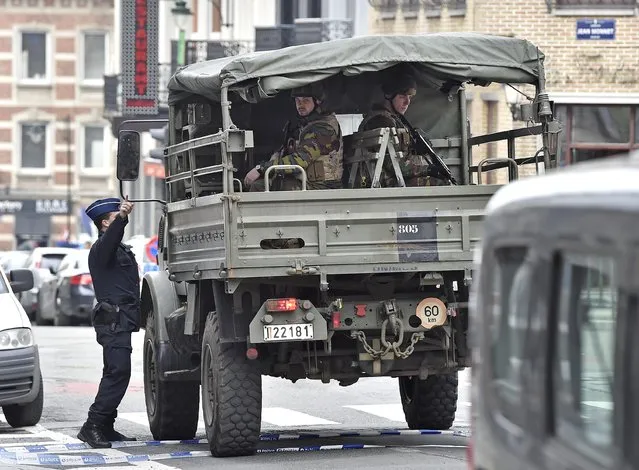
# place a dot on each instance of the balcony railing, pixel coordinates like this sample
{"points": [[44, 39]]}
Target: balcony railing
{"points": [[198, 51]]}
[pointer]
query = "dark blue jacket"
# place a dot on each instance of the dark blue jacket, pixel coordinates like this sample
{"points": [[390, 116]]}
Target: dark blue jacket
{"points": [[115, 274]]}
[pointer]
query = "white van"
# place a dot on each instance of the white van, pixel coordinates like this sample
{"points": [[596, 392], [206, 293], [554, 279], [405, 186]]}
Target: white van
{"points": [[21, 389]]}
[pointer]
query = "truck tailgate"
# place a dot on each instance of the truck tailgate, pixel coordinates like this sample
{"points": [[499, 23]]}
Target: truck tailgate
{"points": [[342, 231]]}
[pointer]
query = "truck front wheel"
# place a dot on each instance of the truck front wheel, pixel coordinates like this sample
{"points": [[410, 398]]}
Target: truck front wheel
{"points": [[430, 403], [231, 395], [172, 407]]}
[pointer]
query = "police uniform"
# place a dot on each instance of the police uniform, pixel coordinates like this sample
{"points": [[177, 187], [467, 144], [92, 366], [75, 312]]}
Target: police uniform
{"points": [[116, 314]]}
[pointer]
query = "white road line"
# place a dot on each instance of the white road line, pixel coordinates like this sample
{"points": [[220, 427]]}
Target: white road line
{"points": [[142, 419], [285, 417], [273, 416], [22, 436], [137, 418], [392, 411], [61, 438], [604, 405]]}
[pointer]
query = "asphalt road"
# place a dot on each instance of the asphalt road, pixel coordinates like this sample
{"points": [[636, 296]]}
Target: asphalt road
{"points": [[71, 364]]}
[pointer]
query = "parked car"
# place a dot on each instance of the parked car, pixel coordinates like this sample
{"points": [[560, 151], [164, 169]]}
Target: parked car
{"points": [[22, 391], [67, 297], [13, 260], [41, 258]]}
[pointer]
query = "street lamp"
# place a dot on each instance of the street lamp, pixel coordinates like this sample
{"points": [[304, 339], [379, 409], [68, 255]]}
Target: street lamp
{"points": [[512, 99], [182, 14]]}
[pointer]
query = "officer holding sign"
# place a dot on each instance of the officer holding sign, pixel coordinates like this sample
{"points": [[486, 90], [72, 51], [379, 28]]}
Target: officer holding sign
{"points": [[116, 282]]}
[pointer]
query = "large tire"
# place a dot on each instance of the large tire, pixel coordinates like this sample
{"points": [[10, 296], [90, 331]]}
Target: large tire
{"points": [[171, 407], [28, 414], [430, 403], [231, 395], [39, 320]]}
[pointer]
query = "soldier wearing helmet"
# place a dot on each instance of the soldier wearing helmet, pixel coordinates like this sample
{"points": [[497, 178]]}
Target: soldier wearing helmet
{"points": [[315, 145], [399, 90]]}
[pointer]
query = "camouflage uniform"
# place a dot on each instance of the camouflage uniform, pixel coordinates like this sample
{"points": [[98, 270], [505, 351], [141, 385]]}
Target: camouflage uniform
{"points": [[315, 145], [318, 149], [414, 167]]}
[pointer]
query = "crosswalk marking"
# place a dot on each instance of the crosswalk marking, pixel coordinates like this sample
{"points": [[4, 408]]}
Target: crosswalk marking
{"points": [[39, 431], [392, 412], [273, 416], [604, 405], [284, 417]]}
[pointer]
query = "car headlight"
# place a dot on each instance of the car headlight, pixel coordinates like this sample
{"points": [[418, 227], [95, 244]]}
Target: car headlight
{"points": [[16, 338]]}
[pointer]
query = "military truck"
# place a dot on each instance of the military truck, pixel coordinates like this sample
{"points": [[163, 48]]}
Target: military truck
{"points": [[376, 279]]}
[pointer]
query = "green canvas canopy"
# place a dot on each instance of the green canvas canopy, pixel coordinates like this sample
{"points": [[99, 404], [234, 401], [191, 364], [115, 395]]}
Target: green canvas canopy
{"points": [[456, 57]]}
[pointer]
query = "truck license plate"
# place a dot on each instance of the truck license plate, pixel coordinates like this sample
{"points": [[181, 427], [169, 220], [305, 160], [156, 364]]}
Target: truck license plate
{"points": [[288, 332]]}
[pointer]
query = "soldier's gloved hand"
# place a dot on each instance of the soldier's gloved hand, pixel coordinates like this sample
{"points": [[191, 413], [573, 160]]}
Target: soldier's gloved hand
{"points": [[252, 176]]}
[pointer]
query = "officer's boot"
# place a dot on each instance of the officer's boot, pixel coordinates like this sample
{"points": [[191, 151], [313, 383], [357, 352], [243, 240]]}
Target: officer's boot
{"points": [[93, 435], [114, 436], [111, 434]]}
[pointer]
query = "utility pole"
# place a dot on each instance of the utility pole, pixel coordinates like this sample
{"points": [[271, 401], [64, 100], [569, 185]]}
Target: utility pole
{"points": [[69, 196]]}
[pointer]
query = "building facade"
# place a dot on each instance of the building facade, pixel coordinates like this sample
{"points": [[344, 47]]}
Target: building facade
{"points": [[55, 146], [592, 63], [215, 28]]}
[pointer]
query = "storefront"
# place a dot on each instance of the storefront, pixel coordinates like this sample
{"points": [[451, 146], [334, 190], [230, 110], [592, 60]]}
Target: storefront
{"points": [[32, 221]]}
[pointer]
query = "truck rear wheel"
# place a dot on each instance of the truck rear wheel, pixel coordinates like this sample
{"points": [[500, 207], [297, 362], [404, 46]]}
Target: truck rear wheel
{"points": [[430, 403], [172, 407], [231, 395]]}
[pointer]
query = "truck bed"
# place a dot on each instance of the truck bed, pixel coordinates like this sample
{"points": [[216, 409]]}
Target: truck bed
{"points": [[344, 231]]}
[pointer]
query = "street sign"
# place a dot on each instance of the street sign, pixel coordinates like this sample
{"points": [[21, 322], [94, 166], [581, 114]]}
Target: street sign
{"points": [[595, 29], [151, 248], [139, 57]]}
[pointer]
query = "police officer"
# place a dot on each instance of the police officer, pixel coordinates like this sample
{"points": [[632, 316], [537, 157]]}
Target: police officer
{"points": [[399, 90], [116, 282], [316, 146]]}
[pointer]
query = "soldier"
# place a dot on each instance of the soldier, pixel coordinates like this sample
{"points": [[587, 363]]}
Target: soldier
{"points": [[316, 146], [398, 91], [116, 314]]}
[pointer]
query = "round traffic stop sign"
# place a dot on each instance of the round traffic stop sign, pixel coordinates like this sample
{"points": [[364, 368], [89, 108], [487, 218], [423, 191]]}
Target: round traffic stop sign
{"points": [[151, 248]]}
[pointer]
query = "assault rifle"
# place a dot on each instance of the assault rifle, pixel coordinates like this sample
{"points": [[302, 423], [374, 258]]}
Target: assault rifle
{"points": [[422, 145]]}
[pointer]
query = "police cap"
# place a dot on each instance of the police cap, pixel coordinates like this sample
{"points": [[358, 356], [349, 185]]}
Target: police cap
{"points": [[102, 206], [402, 84]]}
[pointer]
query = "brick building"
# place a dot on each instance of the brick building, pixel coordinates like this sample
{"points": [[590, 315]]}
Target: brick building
{"points": [[592, 63], [56, 149]]}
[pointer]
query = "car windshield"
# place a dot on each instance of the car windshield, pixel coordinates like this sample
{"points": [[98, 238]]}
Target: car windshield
{"points": [[51, 261]]}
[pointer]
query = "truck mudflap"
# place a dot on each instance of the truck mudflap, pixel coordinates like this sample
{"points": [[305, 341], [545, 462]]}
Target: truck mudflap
{"points": [[286, 320]]}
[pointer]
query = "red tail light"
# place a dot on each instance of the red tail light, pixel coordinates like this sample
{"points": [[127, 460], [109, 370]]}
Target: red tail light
{"points": [[336, 317], [80, 280], [281, 305], [38, 264], [469, 455]]}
